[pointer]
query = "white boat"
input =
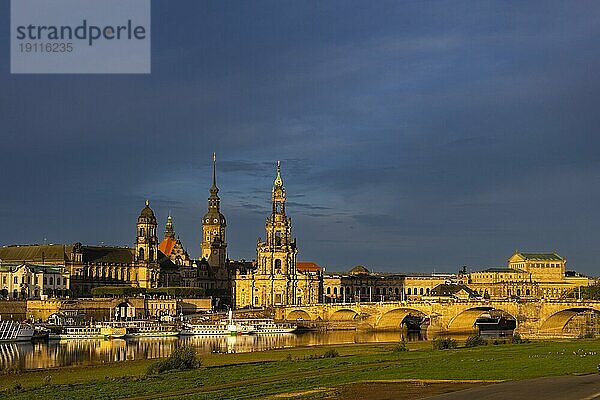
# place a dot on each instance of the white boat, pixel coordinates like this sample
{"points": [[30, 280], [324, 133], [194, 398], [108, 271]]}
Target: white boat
{"points": [[140, 328], [12, 331], [219, 329], [267, 326], [151, 330], [99, 331]]}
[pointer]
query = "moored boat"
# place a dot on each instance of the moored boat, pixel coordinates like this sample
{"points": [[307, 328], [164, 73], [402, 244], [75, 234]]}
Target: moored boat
{"points": [[13, 331], [488, 322], [142, 328], [218, 329], [99, 331], [266, 326]]}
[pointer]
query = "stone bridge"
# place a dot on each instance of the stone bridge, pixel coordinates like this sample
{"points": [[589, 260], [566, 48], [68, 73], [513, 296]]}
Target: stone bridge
{"points": [[534, 318]]}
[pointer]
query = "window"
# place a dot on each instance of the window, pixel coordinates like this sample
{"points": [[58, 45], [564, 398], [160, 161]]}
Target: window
{"points": [[278, 238], [277, 264], [328, 290], [51, 280], [421, 291], [4, 280], [151, 255], [415, 291], [141, 231], [15, 280], [141, 256], [334, 290]]}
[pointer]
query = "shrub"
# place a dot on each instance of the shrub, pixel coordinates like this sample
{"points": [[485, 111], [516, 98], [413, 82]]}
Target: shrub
{"points": [[444, 344], [586, 335], [475, 340], [400, 347], [182, 358], [516, 339], [331, 353], [499, 341]]}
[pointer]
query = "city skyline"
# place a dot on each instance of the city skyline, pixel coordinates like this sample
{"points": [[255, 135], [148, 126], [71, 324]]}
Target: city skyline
{"points": [[414, 139]]}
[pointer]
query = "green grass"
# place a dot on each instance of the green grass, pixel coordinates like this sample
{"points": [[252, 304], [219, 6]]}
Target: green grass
{"points": [[256, 375]]}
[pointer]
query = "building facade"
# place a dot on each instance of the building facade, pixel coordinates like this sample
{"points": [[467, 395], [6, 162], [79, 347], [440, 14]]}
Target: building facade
{"points": [[275, 279], [362, 285], [528, 276], [31, 281]]}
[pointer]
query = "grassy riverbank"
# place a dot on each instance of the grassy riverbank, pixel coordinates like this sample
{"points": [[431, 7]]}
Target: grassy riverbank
{"points": [[302, 372]]}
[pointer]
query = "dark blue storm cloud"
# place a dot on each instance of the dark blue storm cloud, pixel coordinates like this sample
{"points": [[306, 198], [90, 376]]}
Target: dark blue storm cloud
{"points": [[413, 136]]}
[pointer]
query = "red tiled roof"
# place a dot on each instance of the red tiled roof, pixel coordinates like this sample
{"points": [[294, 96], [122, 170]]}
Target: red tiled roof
{"points": [[307, 266], [166, 246]]}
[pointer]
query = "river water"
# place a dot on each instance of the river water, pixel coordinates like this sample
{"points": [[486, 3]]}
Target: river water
{"points": [[37, 355]]}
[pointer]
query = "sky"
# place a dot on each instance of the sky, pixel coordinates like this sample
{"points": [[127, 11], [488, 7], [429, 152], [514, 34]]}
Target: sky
{"points": [[413, 136]]}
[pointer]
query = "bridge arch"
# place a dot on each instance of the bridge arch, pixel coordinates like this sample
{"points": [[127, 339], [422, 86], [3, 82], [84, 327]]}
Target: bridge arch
{"points": [[556, 322], [345, 314], [295, 315], [393, 319], [465, 320]]}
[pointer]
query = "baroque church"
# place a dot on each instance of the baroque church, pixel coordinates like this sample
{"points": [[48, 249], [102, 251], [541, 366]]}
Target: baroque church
{"points": [[276, 278]]}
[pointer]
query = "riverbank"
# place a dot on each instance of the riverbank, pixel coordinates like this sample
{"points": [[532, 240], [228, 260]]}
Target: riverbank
{"points": [[303, 373]]}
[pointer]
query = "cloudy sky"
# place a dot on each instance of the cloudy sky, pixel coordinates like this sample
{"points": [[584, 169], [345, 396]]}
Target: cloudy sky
{"points": [[414, 136]]}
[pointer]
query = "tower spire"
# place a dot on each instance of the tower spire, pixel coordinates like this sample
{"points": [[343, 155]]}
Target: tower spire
{"points": [[278, 180], [214, 169], [214, 189]]}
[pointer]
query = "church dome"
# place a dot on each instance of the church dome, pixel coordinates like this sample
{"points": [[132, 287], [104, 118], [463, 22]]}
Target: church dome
{"points": [[211, 216], [147, 214], [359, 270]]}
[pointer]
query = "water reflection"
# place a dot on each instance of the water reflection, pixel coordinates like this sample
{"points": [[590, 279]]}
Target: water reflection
{"points": [[96, 351]]}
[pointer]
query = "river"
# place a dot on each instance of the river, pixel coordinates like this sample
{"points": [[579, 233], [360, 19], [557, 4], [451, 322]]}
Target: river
{"points": [[39, 355]]}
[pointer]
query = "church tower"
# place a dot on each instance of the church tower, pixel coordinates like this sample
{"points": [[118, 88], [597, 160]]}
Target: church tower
{"points": [[169, 230], [146, 273], [276, 256], [146, 243], [213, 246]]}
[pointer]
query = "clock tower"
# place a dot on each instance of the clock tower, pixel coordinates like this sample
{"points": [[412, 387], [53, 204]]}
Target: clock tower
{"points": [[213, 246]]}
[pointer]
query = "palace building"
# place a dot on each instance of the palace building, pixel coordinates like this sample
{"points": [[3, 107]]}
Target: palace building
{"points": [[528, 276], [30, 281]]}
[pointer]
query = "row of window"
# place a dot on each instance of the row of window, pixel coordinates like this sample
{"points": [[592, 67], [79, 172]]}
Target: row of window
{"points": [[142, 254], [46, 280], [380, 291], [151, 232]]}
